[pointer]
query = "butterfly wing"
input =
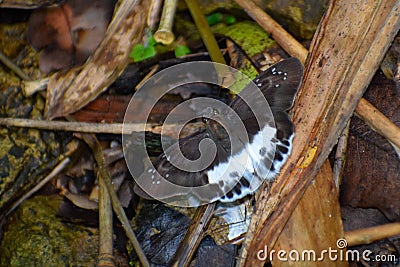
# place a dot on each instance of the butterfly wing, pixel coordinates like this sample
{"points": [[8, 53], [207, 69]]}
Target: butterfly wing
{"points": [[231, 176], [158, 182], [279, 85]]}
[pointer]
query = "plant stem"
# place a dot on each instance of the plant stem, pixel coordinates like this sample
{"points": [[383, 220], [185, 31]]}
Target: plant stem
{"points": [[205, 31]]}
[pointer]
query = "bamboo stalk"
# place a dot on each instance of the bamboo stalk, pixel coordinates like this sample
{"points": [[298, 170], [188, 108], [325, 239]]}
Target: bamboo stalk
{"points": [[106, 257], [164, 33]]}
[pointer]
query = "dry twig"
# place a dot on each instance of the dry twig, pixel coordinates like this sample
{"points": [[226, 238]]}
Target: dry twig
{"points": [[371, 234], [12, 66], [104, 175]]}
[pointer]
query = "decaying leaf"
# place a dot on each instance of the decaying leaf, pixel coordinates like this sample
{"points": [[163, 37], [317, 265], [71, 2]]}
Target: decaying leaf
{"points": [[68, 34], [371, 177], [71, 91]]}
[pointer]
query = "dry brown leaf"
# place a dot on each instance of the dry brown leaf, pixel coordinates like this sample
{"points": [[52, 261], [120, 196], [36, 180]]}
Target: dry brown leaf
{"points": [[68, 92], [371, 177]]}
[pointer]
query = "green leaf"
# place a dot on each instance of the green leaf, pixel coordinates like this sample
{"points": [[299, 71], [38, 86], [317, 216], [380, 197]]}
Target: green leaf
{"points": [[214, 18], [140, 53], [182, 50], [230, 20], [151, 41]]}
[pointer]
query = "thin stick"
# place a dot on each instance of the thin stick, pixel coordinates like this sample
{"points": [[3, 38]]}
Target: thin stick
{"points": [[193, 236], [205, 31], [60, 166], [12, 66], [371, 234], [73, 126], [279, 34], [104, 174], [378, 122]]}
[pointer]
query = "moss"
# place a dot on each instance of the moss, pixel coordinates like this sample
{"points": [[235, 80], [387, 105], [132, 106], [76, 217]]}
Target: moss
{"points": [[248, 35], [35, 236]]}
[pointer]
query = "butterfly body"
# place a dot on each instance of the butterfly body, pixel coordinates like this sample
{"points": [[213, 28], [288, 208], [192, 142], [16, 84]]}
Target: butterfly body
{"points": [[241, 162]]}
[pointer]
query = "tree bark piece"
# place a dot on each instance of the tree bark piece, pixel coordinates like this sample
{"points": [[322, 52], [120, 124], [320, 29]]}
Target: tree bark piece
{"points": [[315, 224], [345, 53]]}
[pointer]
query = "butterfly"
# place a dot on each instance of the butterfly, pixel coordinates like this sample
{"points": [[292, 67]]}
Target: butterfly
{"points": [[240, 163]]}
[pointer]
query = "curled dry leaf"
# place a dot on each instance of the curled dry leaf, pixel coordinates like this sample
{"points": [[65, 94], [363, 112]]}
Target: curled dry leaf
{"points": [[68, 34], [68, 92]]}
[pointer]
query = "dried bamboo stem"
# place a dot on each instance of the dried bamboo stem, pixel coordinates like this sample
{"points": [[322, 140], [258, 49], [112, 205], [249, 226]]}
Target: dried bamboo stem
{"points": [[164, 33], [106, 257]]}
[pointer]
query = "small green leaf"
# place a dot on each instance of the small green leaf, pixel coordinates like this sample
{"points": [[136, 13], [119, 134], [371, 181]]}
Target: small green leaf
{"points": [[182, 50], [230, 20], [140, 53], [214, 18], [151, 41]]}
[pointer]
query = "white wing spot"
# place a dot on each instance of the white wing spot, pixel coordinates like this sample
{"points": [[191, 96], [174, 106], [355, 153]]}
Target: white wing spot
{"points": [[276, 85], [260, 84]]}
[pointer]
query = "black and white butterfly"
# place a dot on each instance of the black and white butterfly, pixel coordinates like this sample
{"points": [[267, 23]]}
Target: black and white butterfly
{"points": [[234, 172]]}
